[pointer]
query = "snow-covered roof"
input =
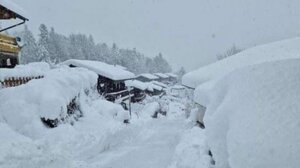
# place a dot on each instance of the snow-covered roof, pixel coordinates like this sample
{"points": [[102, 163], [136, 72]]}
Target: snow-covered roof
{"points": [[29, 70], [101, 68], [143, 85], [136, 84], [178, 87], [172, 75], [10, 5], [161, 75], [149, 76], [159, 84], [269, 52], [120, 66], [152, 86]]}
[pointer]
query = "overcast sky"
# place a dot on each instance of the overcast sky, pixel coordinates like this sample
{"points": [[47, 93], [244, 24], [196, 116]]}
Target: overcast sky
{"points": [[189, 33]]}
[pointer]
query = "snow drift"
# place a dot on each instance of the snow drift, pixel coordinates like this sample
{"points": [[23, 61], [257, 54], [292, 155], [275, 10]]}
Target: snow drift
{"points": [[269, 52], [252, 116], [30, 70], [21, 107], [26, 142]]}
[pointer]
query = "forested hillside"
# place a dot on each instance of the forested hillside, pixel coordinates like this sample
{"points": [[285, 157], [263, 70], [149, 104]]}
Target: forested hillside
{"points": [[53, 47]]}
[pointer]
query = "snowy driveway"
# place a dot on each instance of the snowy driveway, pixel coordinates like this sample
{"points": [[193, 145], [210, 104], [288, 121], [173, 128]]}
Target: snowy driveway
{"points": [[148, 145]]}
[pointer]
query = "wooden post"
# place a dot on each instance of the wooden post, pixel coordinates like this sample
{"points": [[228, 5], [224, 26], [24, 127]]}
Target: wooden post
{"points": [[129, 101]]}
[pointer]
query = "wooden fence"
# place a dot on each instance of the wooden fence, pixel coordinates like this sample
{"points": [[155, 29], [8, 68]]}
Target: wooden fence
{"points": [[16, 81]]}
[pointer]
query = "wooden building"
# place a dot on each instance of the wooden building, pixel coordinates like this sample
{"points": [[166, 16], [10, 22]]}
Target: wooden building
{"points": [[9, 47], [111, 79]]}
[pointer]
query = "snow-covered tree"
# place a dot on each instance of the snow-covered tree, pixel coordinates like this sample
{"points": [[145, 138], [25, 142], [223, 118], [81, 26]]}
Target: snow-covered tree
{"points": [[55, 47], [231, 51], [29, 52], [180, 73], [43, 44], [160, 64]]}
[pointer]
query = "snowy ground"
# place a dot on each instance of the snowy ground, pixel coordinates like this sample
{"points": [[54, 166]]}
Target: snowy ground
{"points": [[149, 144], [99, 138], [168, 141]]}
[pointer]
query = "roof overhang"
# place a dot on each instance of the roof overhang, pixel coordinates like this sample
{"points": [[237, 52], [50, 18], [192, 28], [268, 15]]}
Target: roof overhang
{"points": [[9, 10]]}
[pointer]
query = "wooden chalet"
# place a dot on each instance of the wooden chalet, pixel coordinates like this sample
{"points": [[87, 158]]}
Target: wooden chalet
{"points": [[9, 47], [111, 79]]}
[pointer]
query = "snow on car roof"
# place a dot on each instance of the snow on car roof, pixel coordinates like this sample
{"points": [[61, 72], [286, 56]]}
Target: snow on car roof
{"points": [[101, 68], [149, 76], [10, 5], [161, 75]]}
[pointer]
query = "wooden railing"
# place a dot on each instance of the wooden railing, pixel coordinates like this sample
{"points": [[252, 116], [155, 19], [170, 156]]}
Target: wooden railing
{"points": [[16, 81]]}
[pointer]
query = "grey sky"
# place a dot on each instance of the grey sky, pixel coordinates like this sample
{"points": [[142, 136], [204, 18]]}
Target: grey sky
{"points": [[187, 32]]}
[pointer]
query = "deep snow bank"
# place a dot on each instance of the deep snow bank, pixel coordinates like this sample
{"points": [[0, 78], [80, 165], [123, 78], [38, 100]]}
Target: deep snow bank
{"points": [[192, 150], [30, 70], [252, 118], [22, 106], [26, 142], [269, 52]]}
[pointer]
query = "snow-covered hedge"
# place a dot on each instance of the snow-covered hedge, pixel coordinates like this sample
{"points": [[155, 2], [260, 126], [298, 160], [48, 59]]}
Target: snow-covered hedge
{"points": [[252, 118], [30, 70], [23, 106], [26, 142]]}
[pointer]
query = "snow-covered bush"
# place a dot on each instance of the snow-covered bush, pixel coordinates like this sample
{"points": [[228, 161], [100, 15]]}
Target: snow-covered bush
{"points": [[252, 118], [110, 110], [30, 70]]}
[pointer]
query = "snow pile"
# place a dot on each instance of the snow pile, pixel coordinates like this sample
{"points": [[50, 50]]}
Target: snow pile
{"points": [[264, 53], [149, 110], [17, 150], [26, 142], [149, 76], [252, 118], [152, 87], [21, 107], [110, 110], [30, 70], [101, 68], [192, 151]]}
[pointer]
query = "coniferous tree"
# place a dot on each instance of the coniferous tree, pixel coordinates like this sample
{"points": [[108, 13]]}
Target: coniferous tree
{"points": [[29, 51], [180, 73], [43, 42], [54, 47]]}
